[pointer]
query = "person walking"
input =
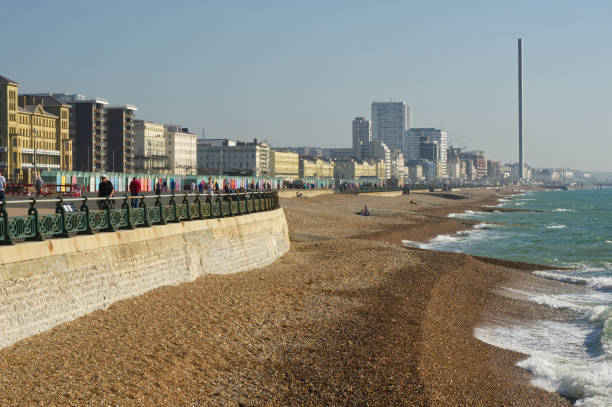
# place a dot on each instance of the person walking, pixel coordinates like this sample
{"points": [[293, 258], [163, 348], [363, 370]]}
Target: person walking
{"points": [[38, 184], [158, 187], [134, 191], [2, 186], [105, 190], [193, 187], [201, 187], [172, 185]]}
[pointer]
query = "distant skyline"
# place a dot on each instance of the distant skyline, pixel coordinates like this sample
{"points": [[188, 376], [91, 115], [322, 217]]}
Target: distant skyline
{"points": [[299, 73]]}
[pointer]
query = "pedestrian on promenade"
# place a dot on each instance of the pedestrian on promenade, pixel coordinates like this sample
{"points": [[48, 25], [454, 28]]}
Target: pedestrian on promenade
{"points": [[38, 184], [201, 187], [158, 187], [134, 191], [105, 190], [216, 186], [193, 187], [165, 185], [2, 186], [172, 185]]}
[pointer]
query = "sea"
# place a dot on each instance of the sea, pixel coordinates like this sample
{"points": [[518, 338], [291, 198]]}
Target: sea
{"points": [[571, 229]]}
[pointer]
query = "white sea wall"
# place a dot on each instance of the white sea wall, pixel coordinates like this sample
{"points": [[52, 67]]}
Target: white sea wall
{"points": [[43, 284]]}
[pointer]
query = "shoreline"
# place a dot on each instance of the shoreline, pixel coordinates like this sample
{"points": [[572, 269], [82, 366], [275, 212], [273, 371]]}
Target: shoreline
{"points": [[347, 316]]}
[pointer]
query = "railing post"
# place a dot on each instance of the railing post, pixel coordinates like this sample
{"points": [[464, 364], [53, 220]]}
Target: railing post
{"points": [[220, 202], [59, 208], [5, 226], [199, 204], [128, 208], [158, 205], [32, 211], [84, 208], [209, 201], [173, 204], [246, 203], [110, 227], [143, 205], [186, 203], [228, 198]]}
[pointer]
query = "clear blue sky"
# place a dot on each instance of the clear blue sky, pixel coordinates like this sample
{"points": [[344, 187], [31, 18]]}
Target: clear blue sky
{"points": [[298, 73]]}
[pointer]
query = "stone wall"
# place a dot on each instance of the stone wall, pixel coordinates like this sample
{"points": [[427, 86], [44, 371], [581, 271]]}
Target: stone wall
{"points": [[43, 284]]}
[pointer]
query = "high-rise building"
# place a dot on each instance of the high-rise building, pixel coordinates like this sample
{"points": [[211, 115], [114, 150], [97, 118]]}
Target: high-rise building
{"points": [[390, 120], [412, 144], [120, 133], [362, 133], [87, 132]]}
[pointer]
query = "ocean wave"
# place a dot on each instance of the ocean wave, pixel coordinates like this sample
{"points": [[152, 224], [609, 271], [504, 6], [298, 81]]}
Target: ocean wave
{"points": [[562, 210], [468, 212], [556, 358], [556, 226], [598, 283], [503, 200], [609, 241], [412, 243]]}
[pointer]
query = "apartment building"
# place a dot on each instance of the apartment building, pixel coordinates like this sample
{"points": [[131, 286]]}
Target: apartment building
{"points": [[234, 157], [120, 136], [390, 120], [284, 164], [150, 148], [181, 150], [88, 125], [362, 133], [315, 167], [355, 170], [33, 136]]}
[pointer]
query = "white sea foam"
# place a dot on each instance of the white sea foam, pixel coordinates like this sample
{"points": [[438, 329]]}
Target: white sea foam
{"points": [[562, 210], [483, 225], [503, 200], [609, 241], [556, 226], [556, 358], [598, 283]]}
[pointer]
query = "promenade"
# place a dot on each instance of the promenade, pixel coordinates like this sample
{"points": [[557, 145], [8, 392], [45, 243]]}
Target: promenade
{"points": [[347, 317]]}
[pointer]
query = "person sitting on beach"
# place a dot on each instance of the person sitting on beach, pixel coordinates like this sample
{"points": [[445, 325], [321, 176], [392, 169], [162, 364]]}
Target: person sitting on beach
{"points": [[365, 211]]}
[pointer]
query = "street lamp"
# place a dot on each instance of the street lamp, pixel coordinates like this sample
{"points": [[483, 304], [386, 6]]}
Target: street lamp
{"points": [[34, 145]]}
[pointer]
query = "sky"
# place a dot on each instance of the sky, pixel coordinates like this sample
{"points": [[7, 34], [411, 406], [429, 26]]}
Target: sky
{"points": [[298, 73]]}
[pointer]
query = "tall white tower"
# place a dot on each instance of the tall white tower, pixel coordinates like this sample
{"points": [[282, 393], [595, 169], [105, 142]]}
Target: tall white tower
{"points": [[520, 108]]}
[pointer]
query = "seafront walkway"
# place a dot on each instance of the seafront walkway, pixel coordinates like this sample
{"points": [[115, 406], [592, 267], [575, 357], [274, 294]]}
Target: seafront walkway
{"points": [[65, 217]]}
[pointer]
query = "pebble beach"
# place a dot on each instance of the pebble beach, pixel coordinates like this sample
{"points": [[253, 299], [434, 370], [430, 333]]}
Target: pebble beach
{"points": [[349, 316]]}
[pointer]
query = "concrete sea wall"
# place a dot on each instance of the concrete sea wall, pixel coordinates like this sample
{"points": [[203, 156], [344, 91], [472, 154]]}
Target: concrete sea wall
{"points": [[43, 284]]}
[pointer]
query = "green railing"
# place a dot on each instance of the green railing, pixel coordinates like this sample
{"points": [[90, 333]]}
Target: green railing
{"points": [[70, 219]]}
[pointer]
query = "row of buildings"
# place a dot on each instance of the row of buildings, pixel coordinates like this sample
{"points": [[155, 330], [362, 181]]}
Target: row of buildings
{"points": [[71, 132]]}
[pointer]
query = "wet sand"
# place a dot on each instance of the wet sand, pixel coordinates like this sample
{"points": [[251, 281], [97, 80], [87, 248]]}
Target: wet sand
{"points": [[347, 317]]}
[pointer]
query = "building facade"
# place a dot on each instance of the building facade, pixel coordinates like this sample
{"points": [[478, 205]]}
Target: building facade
{"points": [[356, 170], [246, 158], [87, 132], [376, 150], [150, 148], [316, 167], [415, 136], [33, 137], [362, 133], [390, 120], [181, 150], [120, 135], [284, 164]]}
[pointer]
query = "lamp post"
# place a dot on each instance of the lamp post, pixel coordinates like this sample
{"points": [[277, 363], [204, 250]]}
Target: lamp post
{"points": [[34, 145]]}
